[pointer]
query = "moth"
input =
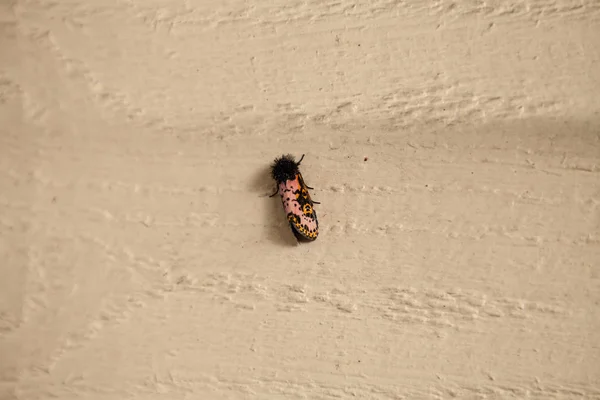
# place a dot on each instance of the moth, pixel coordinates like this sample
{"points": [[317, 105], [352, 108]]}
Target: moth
{"points": [[296, 200]]}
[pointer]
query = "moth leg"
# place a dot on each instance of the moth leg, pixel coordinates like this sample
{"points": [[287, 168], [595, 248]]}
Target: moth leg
{"points": [[276, 190], [316, 202], [308, 187], [300, 159]]}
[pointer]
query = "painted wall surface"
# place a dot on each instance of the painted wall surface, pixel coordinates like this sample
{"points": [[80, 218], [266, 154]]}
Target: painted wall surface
{"points": [[454, 147]]}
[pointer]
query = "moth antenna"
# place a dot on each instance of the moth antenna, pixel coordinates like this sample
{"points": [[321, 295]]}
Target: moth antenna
{"points": [[300, 159]]}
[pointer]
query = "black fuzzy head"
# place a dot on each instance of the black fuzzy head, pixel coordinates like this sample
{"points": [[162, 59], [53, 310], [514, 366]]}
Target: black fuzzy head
{"points": [[285, 168]]}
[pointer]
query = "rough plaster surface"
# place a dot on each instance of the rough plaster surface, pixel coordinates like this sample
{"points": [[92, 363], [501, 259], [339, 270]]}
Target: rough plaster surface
{"points": [[454, 147]]}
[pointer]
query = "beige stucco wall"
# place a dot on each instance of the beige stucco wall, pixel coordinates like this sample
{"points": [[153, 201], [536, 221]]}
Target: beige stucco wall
{"points": [[454, 148]]}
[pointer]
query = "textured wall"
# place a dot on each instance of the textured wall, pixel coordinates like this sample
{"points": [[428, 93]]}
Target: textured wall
{"points": [[454, 147]]}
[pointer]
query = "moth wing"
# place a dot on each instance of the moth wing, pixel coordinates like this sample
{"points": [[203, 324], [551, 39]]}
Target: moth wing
{"points": [[307, 225], [296, 233], [299, 208]]}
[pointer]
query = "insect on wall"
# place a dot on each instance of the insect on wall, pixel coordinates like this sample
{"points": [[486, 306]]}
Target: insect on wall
{"points": [[295, 197]]}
